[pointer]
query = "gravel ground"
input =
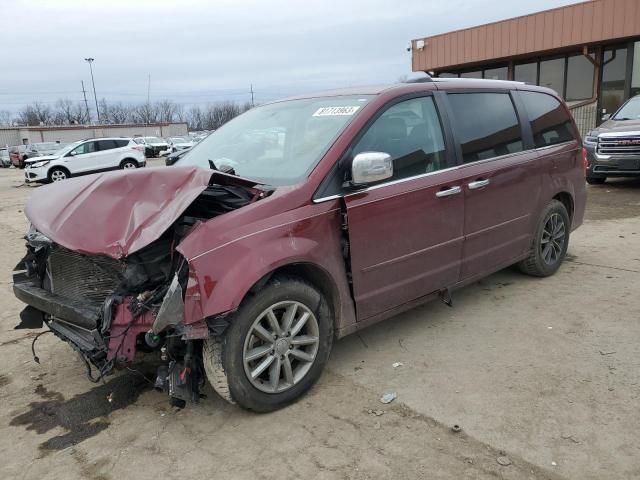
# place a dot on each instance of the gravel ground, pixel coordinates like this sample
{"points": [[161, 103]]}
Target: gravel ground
{"points": [[542, 376]]}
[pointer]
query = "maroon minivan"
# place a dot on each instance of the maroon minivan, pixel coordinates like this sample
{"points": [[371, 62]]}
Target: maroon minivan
{"points": [[297, 223]]}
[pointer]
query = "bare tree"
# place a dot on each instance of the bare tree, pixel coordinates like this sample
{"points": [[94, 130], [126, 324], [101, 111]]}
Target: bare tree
{"points": [[165, 110], [195, 118], [36, 114], [118, 113], [68, 112], [6, 118]]}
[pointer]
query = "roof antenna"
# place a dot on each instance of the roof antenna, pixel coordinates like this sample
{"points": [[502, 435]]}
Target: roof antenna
{"points": [[418, 77]]}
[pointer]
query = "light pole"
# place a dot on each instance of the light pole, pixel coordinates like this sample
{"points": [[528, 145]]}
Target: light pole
{"points": [[90, 61]]}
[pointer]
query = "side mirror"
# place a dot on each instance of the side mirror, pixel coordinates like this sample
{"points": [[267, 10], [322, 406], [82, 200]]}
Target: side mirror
{"points": [[371, 167], [606, 117], [73, 153]]}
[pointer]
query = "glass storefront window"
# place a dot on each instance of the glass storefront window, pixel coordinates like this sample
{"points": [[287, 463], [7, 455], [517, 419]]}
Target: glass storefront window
{"points": [[499, 73], [613, 77], [579, 78], [635, 75], [477, 74], [527, 72], [552, 74]]}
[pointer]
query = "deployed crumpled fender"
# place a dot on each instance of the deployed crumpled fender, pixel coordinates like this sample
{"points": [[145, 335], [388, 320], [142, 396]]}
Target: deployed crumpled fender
{"points": [[116, 213], [227, 256]]}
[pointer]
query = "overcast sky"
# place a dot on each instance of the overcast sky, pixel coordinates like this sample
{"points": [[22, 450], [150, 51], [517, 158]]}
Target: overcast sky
{"points": [[200, 51]]}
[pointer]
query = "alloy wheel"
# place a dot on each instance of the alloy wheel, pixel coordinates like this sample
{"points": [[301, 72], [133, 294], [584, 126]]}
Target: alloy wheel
{"points": [[128, 165], [58, 175], [553, 239], [281, 346]]}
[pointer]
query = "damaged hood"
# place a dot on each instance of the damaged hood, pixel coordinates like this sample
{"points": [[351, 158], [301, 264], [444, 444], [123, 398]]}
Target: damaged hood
{"points": [[116, 213]]}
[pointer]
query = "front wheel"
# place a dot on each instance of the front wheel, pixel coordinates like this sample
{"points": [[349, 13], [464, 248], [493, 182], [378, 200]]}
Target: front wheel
{"points": [[550, 241], [58, 174], [275, 347]]}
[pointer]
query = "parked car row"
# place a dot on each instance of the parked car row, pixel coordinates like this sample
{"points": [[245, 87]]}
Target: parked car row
{"points": [[156, 146], [84, 157], [18, 154], [5, 159]]}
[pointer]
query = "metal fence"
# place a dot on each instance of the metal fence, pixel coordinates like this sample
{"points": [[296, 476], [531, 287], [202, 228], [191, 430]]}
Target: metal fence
{"points": [[65, 134], [585, 117]]}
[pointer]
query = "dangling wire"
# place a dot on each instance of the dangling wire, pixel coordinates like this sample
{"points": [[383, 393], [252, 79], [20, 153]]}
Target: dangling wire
{"points": [[33, 345]]}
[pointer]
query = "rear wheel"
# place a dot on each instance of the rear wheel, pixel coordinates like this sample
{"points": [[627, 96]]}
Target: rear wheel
{"points": [[596, 180], [128, 163], [550, 241], [275, 348], [58, 174]]}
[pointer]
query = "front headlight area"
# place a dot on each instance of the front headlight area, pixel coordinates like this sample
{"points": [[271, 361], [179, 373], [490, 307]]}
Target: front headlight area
{"points": [[41, 163], [591, 139]]}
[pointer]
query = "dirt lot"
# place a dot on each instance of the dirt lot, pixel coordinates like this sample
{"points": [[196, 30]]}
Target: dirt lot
{"points": [[542, 372]]}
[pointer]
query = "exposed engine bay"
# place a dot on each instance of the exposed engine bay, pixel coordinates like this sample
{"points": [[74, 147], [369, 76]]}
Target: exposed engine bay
{"points": [[109, 309]]}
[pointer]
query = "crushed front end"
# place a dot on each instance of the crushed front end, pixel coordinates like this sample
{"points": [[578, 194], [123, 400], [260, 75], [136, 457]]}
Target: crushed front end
{"points": [[110, 309]]}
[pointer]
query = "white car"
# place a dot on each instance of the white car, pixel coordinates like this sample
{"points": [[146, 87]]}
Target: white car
{"points": [[153, 146], [179, 143], [86, 156]]}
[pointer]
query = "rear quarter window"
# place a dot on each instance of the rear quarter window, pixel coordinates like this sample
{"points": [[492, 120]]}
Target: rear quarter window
{"points": [[106, 145], [550, 122], [122, 143], [485, 124]]}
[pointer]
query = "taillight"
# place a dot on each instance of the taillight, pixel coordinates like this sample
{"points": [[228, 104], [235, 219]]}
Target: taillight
{"points": [[585, 161]]}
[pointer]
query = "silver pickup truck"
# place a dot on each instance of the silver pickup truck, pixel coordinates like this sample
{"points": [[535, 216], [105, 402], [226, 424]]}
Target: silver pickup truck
{"points": [[613, 149]]}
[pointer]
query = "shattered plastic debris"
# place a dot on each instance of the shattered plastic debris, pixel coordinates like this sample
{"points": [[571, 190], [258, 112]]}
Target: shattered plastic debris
{"points": [[377, 413], [388, 397], [397, 364], [504, 461], [554, 463]]}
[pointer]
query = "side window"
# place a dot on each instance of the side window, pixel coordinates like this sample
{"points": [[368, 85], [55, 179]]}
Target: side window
{"points": [[411, 133], [486, 125], [106, 145], [550, 122], [88, 147]]}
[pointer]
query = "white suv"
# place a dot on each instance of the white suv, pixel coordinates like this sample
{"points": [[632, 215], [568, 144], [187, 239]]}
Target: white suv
{"points": [[86, 156]]}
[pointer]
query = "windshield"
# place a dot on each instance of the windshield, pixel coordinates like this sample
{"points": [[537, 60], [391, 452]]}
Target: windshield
{"points": [[178, 140], [279, 143], [630, 110], [154, 140], [66, 149]]}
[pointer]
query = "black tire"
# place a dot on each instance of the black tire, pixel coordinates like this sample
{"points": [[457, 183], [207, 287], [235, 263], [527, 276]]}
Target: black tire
{"points": [[128, 163], [223, 357], [57, 174], [596, 180], [536, 264]]}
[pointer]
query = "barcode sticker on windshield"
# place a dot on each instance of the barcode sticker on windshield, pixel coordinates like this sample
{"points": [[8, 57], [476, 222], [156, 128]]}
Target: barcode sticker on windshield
{"points": [[327, 111]]}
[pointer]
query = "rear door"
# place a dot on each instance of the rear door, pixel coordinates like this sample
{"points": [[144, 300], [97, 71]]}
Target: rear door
{"points": [[108, 155], [501, 180], [405, 233]]}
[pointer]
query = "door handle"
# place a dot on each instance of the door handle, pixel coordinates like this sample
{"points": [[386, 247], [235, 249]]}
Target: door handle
{"points": [[448, 192], [478, 184]]}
